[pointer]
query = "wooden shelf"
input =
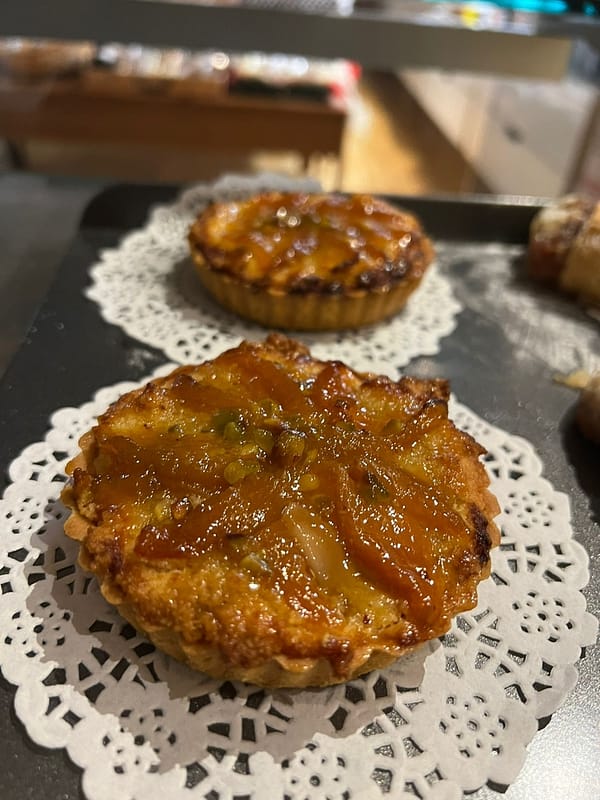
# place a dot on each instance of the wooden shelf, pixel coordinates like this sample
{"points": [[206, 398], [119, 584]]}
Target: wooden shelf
{"points": [[65, 110]]}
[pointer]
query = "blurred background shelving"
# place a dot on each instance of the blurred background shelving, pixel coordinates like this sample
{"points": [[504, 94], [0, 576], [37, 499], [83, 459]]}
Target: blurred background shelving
{"points": [[384, 96]]}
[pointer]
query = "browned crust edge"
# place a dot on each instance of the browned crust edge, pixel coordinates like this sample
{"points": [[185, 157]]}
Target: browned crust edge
{"points": [[274, 308]]}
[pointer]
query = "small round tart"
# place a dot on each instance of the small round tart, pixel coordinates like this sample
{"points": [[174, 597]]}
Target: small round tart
{"points": [[275, 519], [310, 261]]}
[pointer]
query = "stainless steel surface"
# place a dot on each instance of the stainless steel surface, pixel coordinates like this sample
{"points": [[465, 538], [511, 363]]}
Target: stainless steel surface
{"points": [[410, 33]]}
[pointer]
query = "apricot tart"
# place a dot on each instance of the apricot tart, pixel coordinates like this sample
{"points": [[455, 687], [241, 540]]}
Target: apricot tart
{"points": [[280, 520], [310, 261]]}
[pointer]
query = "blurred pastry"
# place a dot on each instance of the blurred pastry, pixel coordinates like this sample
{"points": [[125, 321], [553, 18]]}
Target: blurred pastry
{"points": [[564, 247], [581, 274], [310, 261], [33, 59]]}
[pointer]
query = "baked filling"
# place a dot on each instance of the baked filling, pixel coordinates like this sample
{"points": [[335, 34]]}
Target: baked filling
{"points": [[334, 247], [265, 508]]}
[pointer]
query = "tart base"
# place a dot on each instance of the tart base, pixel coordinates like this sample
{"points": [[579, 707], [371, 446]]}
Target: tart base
{"points": [[307, 311]]}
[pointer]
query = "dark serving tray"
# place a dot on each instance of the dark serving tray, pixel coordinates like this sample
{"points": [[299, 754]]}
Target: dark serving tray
{"points": [[70, 352]]}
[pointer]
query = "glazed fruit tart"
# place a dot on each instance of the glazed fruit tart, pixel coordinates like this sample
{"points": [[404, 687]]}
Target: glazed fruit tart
{"points": [[280, 520], [310, 261]]}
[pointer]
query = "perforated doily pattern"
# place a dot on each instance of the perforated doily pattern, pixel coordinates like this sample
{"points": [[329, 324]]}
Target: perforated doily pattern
{"points": [[451, 717], [149, 288]]}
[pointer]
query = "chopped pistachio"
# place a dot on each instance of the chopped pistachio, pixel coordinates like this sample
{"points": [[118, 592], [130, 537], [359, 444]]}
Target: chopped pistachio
{"points": [[249, 449], [308, 482], [237, 470], [226, 415], [263, 438], [255, 564], [290, 445], [269, 407], [233, 431], [393, 426], [162, 510]]}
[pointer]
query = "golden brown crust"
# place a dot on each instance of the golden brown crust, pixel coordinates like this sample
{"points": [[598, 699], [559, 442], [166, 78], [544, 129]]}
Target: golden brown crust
{"points": [[348, 604], [310, 262]]}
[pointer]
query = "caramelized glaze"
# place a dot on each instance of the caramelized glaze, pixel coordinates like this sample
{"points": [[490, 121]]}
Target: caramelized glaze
{"points": [[303, 243], [334, 493]]}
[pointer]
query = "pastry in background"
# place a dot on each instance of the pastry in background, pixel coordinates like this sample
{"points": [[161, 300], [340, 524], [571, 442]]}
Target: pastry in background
{"points": [[581, 274], [564, 246], [310, 261], [31, 60]]}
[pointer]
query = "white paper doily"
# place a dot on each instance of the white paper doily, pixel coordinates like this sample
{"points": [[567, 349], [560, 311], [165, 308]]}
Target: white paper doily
{"points": [[148, 287], [141, 725]]}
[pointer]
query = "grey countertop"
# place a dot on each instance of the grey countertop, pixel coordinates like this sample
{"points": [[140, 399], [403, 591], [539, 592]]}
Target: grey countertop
{"points": [[38, 218]]}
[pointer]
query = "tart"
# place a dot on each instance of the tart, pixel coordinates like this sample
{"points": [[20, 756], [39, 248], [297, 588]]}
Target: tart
{"points": [[280, 520], [310, 261]]}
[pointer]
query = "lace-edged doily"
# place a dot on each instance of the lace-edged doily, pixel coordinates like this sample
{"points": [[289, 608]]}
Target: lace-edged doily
{"points": [[451, 717], [148, 287]]}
